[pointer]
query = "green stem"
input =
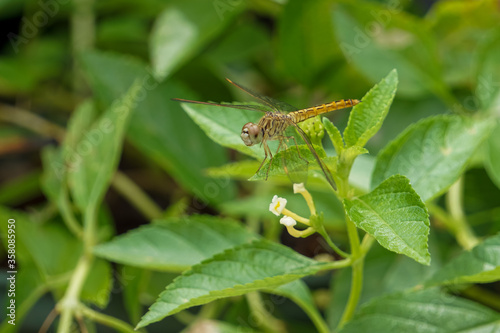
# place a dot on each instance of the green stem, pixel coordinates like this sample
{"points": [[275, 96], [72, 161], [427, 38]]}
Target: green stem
{"points": [[136, 196], [31, 121], [69, 303], [482, 296], [338, 264], [334, 246], [357, 273], [90, 228], [357, 256], [464, 234], [106, 320], [261, 316]]}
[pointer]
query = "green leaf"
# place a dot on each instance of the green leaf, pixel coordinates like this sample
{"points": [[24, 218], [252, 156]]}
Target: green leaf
{"points": [[367, 117], [175, 244], [97, 286], [306, 51], [26, 297], [423, 311], [445, 20], [96, 156], [241, 170], [248, 267], [159, 128], [395, 216], [384, 273], [45, 252], [334, 134], [184, 28], [479, 265], [21, 189], [492, 162], [55, 170], [376, 38], [296, 165], [298, 292], [487, 83], [223, 125], [80, 121], [432, 153], [111, 75]]}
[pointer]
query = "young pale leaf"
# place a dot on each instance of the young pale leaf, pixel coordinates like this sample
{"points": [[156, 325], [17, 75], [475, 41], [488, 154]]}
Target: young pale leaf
{"points": [[432, 153], [175, 244], [249, 267], [492, 163], [92, 163], [479, 265], [395, 216], [367, 117], [334, 134], [423, 311], [184, 28]]}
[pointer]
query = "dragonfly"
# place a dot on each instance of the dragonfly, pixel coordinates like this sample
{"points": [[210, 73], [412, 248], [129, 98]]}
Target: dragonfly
{"points": [[273, 125]]}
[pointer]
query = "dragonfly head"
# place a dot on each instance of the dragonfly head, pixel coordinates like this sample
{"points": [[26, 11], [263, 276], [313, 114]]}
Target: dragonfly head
{"points": [[251, 134]]}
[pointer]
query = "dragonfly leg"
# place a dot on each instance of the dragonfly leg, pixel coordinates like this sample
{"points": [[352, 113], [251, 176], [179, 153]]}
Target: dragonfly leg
{"points": [[267, 152], [297, 146]]}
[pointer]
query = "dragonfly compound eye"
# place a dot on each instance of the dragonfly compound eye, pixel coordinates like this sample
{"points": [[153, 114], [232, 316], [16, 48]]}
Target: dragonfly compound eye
{"points": [[250, 134]]}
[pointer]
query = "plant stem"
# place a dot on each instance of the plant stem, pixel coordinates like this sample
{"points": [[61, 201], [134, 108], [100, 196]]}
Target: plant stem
{"points": [[464, 234], [357, 257], [261, 316], [136, 196], [334, 246], [69, 303], [31, 121], [483, 296], [106, 320], [357, 273]]}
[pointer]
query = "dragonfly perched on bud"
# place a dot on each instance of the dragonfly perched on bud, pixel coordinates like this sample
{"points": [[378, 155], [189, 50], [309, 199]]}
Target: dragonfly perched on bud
{"points": [[276, 123]]}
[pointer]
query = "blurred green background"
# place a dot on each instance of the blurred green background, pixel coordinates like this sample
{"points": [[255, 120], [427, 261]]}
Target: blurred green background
{"points": [[57, 55]]}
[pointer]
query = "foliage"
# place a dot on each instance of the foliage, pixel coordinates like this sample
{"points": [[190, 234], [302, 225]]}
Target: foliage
{"points": [[399, 210]]}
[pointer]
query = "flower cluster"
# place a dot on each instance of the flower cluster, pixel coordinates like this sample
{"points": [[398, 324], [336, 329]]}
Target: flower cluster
{"points": [[290, 219]]}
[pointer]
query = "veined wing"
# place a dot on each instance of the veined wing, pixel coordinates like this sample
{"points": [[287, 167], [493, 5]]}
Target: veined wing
{"points": [[251, 107], [274, 104], [322, 165]]}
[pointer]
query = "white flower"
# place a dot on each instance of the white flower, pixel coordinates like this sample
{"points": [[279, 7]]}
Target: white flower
{"points": [[287, 221], [297, 188], [277, 205]]}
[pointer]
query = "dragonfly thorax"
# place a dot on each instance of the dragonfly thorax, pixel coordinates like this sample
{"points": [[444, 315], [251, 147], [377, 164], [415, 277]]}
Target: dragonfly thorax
{"points": [[251, 134]]}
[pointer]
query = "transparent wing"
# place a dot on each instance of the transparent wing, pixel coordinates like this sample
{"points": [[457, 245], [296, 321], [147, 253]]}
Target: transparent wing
{"points": [[324, 168], [260, 108], [274, 104], [294, 161]]}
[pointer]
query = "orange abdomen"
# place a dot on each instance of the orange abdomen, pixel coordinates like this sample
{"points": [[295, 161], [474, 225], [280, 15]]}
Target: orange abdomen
{"points": [[301, 115]]}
